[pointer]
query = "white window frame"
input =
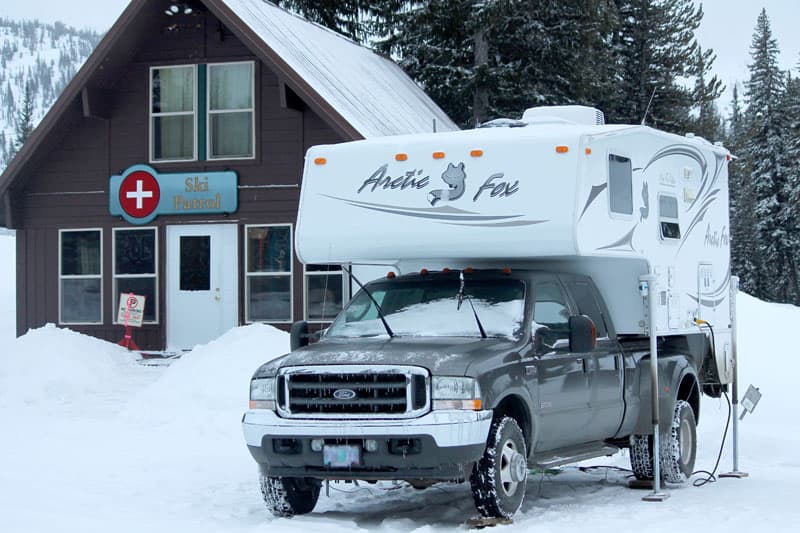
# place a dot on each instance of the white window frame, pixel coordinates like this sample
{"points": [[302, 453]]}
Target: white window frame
{"points": [[62, 277], [210, 112], [345, 292], [151, 115], [612, 213], [247, 274], [115, 276], [661, 218]]}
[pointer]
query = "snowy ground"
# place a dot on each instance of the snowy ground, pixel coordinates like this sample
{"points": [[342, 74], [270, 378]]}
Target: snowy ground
{"points": [[93, 441]]}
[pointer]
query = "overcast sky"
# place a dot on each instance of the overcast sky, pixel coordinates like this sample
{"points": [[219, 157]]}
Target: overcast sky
{"points": [[727, 27]]}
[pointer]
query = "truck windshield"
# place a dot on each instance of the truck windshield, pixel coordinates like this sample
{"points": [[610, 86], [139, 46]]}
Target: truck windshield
{"points": [[429, 308]]}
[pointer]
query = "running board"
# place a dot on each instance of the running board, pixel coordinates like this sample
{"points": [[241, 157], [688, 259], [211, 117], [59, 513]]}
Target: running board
{"points": [[574, 454]]}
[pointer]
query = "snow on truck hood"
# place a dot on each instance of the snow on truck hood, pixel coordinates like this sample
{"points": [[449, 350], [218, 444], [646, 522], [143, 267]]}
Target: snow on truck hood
{"points": [[450, 356]]}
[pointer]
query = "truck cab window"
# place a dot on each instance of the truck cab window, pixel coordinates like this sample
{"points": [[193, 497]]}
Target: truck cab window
{"points": [[551, 310]]}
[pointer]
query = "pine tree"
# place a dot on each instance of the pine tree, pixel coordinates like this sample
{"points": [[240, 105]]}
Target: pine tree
{"points": [[343, 16], [745, 262], [765, 153], [791, 210], [656, 49], [24, 119], [708, 123]]}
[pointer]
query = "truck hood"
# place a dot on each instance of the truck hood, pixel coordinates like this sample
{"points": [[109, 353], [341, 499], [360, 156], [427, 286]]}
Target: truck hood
{"points": [[446, 356]]}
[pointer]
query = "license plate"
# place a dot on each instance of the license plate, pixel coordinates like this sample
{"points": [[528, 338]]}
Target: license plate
{"points": [[341, 456]]}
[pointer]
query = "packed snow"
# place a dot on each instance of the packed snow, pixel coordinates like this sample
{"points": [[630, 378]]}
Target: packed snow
{"points": [[95, 440]]}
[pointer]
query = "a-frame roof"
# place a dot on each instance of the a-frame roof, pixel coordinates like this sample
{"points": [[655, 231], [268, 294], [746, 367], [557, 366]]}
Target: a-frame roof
{"points": [[356, 91]]}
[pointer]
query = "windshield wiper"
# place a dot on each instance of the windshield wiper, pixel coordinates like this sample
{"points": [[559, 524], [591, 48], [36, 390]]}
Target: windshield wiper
{"points": [[377, 306], [461, 296]]}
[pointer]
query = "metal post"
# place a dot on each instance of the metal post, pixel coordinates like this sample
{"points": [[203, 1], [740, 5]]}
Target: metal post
{"points": [[735, 387], [650, 281]]}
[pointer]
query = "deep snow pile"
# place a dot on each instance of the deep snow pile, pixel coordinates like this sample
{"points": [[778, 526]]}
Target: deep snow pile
{"points": [[93, 442]]}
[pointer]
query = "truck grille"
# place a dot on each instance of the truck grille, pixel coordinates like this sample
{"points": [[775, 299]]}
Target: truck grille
{"points": [[353, 391]]}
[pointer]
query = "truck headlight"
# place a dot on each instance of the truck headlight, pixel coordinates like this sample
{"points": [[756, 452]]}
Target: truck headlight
{"points": [[456, 393], [263, 392]]}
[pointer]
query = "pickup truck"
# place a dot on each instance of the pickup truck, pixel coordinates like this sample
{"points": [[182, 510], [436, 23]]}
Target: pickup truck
{"points": [[467, 375]]}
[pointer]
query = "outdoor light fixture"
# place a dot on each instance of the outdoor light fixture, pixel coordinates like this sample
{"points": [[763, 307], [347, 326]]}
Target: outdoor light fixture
{"points": [[174, 9]]}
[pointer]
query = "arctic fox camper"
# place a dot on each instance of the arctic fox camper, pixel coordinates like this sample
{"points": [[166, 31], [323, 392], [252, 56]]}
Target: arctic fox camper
{"points": [[512, 328]]}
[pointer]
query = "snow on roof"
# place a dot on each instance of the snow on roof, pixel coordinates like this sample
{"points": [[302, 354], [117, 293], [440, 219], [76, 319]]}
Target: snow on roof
{"points": [[371, 92]]}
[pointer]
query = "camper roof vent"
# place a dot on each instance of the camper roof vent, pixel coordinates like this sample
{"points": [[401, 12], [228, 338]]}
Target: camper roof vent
{"points": [[564, 114]]}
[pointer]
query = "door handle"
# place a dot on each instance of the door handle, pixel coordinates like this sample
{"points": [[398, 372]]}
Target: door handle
{"points": [[217, 295]]}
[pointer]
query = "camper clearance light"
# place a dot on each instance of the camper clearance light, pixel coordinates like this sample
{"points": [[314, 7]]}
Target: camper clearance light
{"points": [[562, 149], [438, 155], [476, 153], [320, 161], [401, 157]]}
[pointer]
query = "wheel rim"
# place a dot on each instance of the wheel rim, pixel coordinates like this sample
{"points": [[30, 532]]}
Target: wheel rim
{"points": [[507, 454], [686, 443]]}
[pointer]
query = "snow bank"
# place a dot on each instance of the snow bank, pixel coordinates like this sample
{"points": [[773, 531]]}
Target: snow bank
{"points": [[209, 386], [51, 367]]}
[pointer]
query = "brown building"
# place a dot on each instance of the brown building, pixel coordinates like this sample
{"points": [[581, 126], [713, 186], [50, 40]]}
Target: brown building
{"points": [[170, 167]]}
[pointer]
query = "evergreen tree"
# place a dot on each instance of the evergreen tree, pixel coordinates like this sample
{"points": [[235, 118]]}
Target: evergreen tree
{"points": [[745, 261], [24, 119], [343, 16], [764, 150], [791, 210], [656, 49], [708, 123]]}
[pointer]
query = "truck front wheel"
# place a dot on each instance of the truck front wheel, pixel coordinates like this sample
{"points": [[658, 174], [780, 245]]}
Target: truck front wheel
{"points": [[289, 496], [498, 478]]}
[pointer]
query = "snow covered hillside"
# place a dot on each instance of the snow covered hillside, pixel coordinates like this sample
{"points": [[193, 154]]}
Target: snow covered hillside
{"points": [[42, 56], [92, 440]]}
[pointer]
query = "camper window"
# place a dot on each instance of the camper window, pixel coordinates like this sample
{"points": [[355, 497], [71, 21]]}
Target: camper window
{"points": [[620, 184], [668, 217]]}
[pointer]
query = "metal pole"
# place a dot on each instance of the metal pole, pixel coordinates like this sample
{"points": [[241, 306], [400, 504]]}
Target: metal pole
{"points": [[650, 281], [735, 392]]}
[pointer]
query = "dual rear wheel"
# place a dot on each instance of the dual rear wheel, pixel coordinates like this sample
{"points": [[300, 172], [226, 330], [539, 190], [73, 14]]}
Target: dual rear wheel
{"points": [[678, 449]]}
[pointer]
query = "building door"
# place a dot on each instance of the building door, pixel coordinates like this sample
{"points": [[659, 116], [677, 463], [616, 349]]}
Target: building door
{"points": [[201, 283]]}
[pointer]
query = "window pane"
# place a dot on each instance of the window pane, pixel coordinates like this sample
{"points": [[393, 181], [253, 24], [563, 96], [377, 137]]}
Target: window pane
{"points": [[80, 300], [269, 249], [269, 298], [232, 134], [173, 137], [143, 286], [135, 251], [668, 206], [550, 309], [231, 86], [587, 305], [324, 296], [620, 184], [173, 90], [195, 265], [323, 268], [80, 253]]}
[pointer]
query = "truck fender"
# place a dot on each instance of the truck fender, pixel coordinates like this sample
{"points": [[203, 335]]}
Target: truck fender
{"points": [[672, 370], [517, 403]]}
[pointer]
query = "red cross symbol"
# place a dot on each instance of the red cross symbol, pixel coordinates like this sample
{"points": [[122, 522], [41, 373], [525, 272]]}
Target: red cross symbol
{"points": [[139, 194]]}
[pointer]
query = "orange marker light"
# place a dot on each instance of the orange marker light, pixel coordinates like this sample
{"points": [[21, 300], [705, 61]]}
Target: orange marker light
{"points": [[476, 153], [588, 151], [562, 149], [320, 161], [423, 272], [391, 275], [401, 157], [468, 270], [507, 271], [438, 155]]}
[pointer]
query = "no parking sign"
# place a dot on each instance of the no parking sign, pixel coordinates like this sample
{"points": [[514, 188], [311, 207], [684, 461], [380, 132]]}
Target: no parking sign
{"points": [[131, 305]]}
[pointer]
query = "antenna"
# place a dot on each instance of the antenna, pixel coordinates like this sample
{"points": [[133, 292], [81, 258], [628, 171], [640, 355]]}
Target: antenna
{"points": [[647, 110]]}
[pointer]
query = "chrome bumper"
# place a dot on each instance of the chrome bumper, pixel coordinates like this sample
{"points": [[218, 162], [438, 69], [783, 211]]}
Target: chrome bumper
{"points": [[447, 428]]}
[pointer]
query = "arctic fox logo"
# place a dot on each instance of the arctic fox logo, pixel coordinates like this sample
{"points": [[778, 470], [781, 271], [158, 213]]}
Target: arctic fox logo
{"points": [[454, 177]]}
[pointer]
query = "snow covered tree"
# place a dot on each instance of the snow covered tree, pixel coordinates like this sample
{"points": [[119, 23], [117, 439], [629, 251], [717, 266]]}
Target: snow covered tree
{"points": [[656, 48], [764, 149], [708, 122], [791, 209], [24, 119], [343, 16]]}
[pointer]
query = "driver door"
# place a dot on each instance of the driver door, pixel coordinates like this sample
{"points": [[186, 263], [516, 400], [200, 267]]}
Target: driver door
{"points": [[563, 381]]}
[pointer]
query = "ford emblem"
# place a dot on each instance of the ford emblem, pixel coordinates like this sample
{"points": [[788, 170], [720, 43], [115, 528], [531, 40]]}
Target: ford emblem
{"points": [[344, 394]]}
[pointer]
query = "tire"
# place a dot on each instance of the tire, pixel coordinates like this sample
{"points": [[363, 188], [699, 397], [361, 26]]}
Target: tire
{"points": [[289, 496], [678, 449], [498, 479]]}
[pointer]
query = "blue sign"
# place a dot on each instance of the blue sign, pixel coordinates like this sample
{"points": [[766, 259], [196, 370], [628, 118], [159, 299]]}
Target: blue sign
{"points": [[140, 194]]}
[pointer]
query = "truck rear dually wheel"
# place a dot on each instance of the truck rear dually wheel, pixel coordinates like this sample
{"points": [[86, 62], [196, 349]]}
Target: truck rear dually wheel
{"points": [[289, 496], [678, 448], [498, 479]]}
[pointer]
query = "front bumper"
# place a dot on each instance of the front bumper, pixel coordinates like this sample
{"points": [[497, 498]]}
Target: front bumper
{"points": [[439, 445]]}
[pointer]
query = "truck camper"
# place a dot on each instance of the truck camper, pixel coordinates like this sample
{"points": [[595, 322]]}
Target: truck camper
{"points": [[513, 312]]}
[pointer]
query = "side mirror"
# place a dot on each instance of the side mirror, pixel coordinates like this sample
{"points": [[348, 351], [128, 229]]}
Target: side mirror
{"points": [[582, 334], [298, 335]]}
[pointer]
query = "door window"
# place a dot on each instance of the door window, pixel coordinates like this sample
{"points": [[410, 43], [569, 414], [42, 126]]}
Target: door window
{"points": [[551, 311], [195, 265]]}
